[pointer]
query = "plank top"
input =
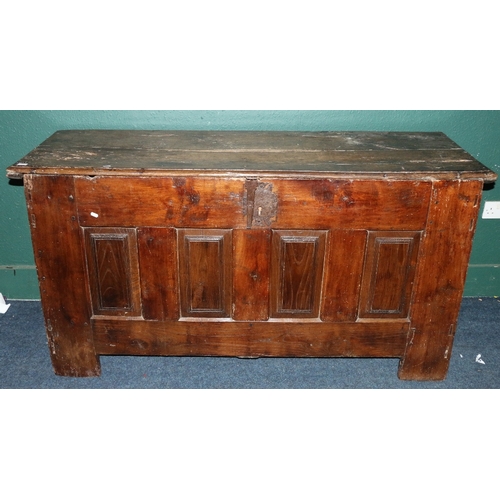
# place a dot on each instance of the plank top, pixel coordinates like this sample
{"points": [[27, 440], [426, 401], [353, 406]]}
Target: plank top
{"points": [[329, 154]]}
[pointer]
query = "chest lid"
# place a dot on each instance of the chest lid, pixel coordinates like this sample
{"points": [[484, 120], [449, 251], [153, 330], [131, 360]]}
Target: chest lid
{"points": [[392, 155]]}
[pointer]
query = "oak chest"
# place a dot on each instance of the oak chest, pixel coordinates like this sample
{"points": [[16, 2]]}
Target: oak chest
{"points": [[249, 244]]}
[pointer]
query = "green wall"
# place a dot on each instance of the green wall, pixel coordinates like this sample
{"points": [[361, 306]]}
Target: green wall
{"points": [[478, 132]]}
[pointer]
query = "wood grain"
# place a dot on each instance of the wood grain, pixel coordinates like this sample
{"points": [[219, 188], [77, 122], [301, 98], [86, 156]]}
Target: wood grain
{"points": [[387, 284], [353, 204], [297, 265], [344, 270], [59, 257], [113, 271], [111, 152], [440, 279], [252, 250], [205, 272], [167, 201], [250, 339], [159, 272], [207, 202]]}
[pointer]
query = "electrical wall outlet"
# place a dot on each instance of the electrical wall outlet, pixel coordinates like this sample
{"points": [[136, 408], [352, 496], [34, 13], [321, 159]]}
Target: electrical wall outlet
{"points": [[491, 210]]}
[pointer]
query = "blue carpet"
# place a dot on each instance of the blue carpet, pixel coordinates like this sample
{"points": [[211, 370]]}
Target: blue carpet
{"points": [[25, 362]]}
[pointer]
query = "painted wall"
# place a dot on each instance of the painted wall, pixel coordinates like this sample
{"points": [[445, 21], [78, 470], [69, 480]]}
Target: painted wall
{"points": [[478, 132]]}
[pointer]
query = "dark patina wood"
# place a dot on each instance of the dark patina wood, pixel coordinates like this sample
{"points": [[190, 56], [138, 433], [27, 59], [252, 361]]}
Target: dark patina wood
{"points": [[64, 286], [251, 244]]}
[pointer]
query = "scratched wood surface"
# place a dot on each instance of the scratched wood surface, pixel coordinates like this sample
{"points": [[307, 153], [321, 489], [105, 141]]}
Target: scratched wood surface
{"points": [[111, 152]]}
